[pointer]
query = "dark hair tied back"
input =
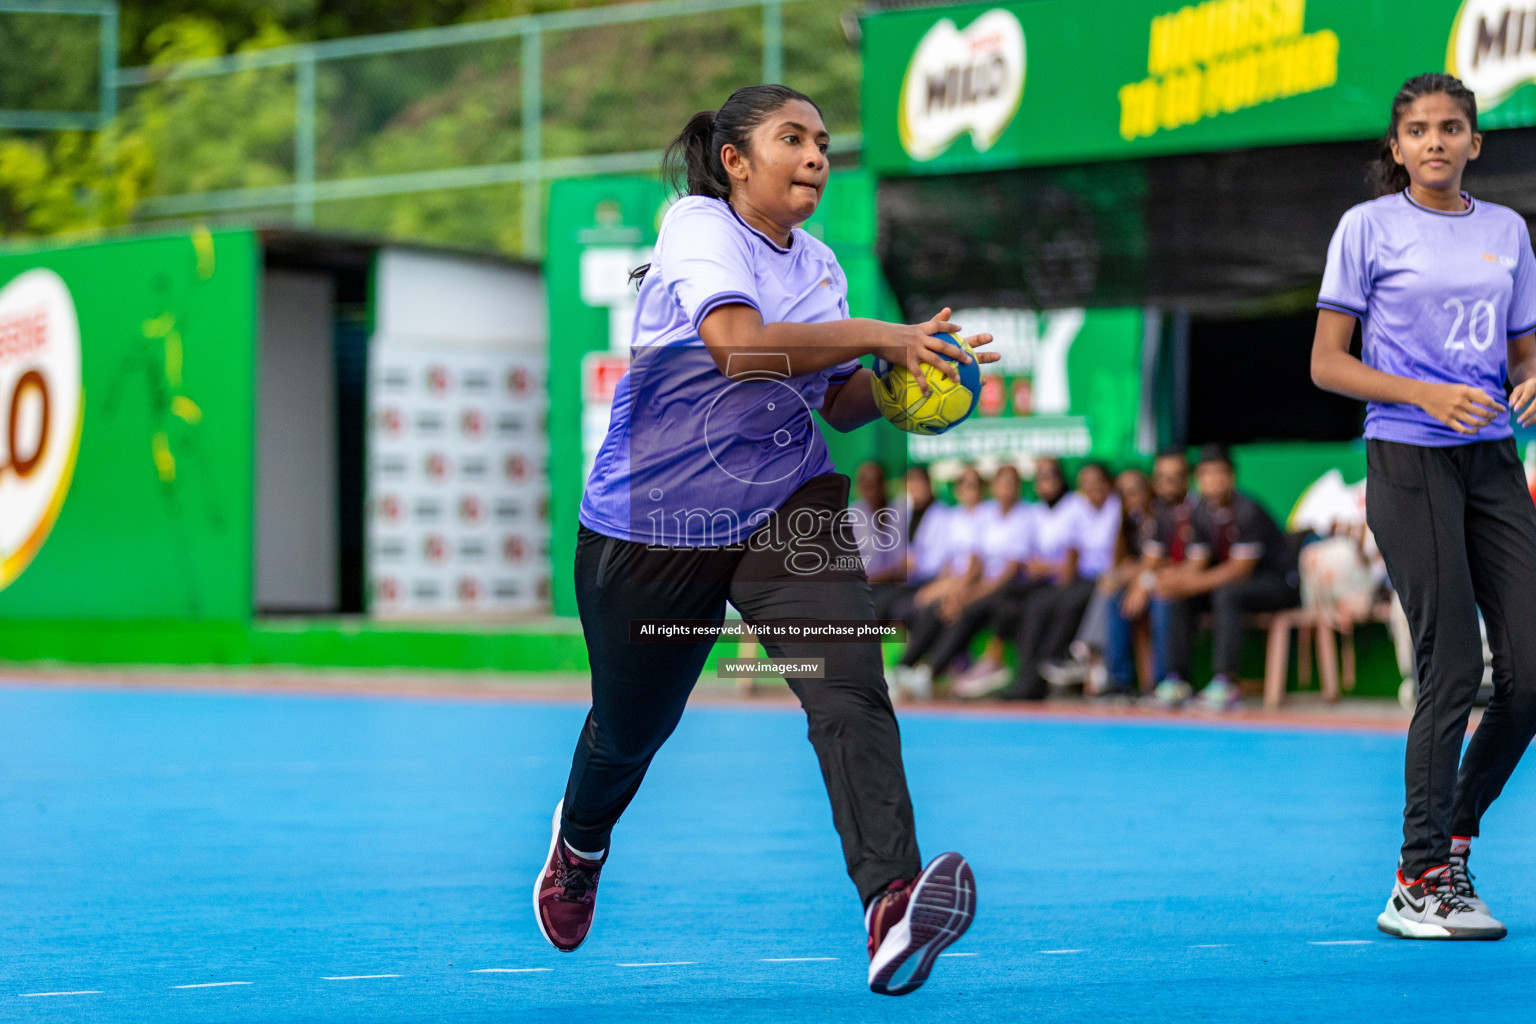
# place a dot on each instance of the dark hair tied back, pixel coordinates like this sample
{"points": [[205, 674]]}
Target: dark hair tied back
{"points": [[692, 166], [1386, 174]]}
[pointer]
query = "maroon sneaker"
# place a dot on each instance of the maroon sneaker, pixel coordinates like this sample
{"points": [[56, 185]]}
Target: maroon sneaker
{"points": [[912, 922], [565, 894]]}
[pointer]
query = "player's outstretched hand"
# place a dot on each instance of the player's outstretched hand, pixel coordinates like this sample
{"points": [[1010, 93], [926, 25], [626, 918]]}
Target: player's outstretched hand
{"points": [[1520, 401], [913, 345], [1462, 407]]}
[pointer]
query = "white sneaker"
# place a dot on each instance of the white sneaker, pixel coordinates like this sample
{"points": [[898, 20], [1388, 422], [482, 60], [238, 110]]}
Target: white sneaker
{"points": [[1221, 694], [1172, 692], [919, 683], [982, 684], [1429, 908], [1461, 882]]}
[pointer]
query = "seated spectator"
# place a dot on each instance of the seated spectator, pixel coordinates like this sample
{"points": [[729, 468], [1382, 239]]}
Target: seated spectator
{"points": [[927, 550], [1001, 545], [1238, 561], [1085, 663], [880, 533], [919, 497], [1165, 535], [937, 602]]}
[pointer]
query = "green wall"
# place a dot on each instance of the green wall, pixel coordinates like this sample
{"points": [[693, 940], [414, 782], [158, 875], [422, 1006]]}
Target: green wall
{"points": [[157, 521]]}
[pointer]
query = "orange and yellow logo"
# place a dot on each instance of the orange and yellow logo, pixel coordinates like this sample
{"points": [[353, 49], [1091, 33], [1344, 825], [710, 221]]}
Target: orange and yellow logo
{"points": [[41, 401]]}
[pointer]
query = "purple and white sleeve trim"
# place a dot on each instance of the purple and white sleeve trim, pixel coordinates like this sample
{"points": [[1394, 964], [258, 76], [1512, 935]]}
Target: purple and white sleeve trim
{"points": [[719, 299]]}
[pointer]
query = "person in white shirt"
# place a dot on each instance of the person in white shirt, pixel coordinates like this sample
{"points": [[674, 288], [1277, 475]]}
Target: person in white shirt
{"points": [[879, 527], [1076, 543], [938, 602], [998, 548]]}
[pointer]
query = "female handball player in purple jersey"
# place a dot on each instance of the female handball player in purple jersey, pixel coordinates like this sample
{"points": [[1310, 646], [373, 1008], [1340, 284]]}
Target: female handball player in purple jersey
{"points": [[714, 485], [1445, 289]]}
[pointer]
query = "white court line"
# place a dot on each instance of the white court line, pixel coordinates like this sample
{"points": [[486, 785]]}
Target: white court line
{"points": [[795, 959], [957, 954], [42, 995], [510, 970], [1060, 952], [1345, 942], [357, 977], [1210, 945], [667, 963], [213, 984]]}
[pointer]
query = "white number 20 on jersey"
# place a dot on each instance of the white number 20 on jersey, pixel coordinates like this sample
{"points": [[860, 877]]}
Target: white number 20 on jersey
{"points": [[1480, 326]]}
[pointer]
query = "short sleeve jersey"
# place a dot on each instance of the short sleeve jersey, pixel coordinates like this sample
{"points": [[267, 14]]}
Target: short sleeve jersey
{"points": [[1166, 533], [694, 458], [1438, 295], [1003, 538], [929, 552], [1056, 527], [1241, 529], [1098, 530], [881, 536], [961, 526]]}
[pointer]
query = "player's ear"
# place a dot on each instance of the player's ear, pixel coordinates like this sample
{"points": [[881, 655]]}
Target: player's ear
{"points": [[734, 161], [1397, 152], [1477, 146]]}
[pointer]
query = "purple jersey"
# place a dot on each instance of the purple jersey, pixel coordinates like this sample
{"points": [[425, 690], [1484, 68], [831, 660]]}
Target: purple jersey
{"points": [[1439, 295], [693, 458]]}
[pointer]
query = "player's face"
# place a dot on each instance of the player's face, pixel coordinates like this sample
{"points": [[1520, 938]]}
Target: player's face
{"points": [[1133, 489], [1093, 485], [919, 488], [1005, 485], [1170, 480], [871, 483], [786, 171], [1049, 483], [1216, 481], [1434, 141], [968, 488]]}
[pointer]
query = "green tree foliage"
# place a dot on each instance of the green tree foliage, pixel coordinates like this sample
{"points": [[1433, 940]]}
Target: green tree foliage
{"points": [[613, 89], [70, 182]]}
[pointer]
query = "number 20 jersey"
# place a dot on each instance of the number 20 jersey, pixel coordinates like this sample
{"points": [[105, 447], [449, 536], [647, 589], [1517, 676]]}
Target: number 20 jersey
{"points": [[1438, 294]]}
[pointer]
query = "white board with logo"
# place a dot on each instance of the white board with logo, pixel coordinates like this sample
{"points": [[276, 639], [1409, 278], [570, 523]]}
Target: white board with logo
{"points": [[458, 496]]}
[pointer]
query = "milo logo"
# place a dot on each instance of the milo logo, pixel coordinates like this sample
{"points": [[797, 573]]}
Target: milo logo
{"points": [[40, 404], [1493, 48], [962, 81]]}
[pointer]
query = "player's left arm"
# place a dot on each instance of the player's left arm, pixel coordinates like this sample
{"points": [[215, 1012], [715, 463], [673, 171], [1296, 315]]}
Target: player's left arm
{"points": [[1522, 374], [851, 404]]}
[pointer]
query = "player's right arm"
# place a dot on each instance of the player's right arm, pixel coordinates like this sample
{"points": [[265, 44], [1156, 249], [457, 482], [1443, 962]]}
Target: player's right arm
{"points": [[741, 344], [1462, 407]]}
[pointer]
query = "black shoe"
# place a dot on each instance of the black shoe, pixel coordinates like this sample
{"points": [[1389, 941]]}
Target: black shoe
{"points": [[1017, 691]]}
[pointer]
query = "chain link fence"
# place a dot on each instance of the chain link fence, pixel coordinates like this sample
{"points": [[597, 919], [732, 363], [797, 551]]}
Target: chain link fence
{"points": [[450, 136]]}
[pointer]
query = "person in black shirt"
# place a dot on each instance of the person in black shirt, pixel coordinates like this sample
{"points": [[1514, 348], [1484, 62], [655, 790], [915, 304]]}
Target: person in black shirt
{"points": [[1237, 561]]}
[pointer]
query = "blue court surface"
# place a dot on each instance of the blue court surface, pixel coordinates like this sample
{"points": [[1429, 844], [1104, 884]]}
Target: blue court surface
{"points": [[220, 858]]}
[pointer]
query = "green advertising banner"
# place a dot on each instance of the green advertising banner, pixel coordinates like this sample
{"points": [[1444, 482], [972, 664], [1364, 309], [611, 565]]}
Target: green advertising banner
{"points": [[127, 371], [983, 86], [1068, 384]]}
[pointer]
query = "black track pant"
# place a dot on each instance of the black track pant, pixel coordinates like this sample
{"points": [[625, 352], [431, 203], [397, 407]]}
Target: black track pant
{"points": [[1048, 618], [1261, 592], [1458, 532], [639, 689]]}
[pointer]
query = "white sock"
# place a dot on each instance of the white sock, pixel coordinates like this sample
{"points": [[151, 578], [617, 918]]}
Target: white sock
{"points": [[581, 853]]}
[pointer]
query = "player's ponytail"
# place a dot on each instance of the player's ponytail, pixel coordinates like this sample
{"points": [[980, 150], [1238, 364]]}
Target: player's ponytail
{"points": [[692, 166], [1386, 175]]}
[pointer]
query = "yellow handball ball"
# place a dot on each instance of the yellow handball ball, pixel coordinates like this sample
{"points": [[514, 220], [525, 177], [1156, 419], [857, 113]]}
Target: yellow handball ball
{"points": [[947, 403]]}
